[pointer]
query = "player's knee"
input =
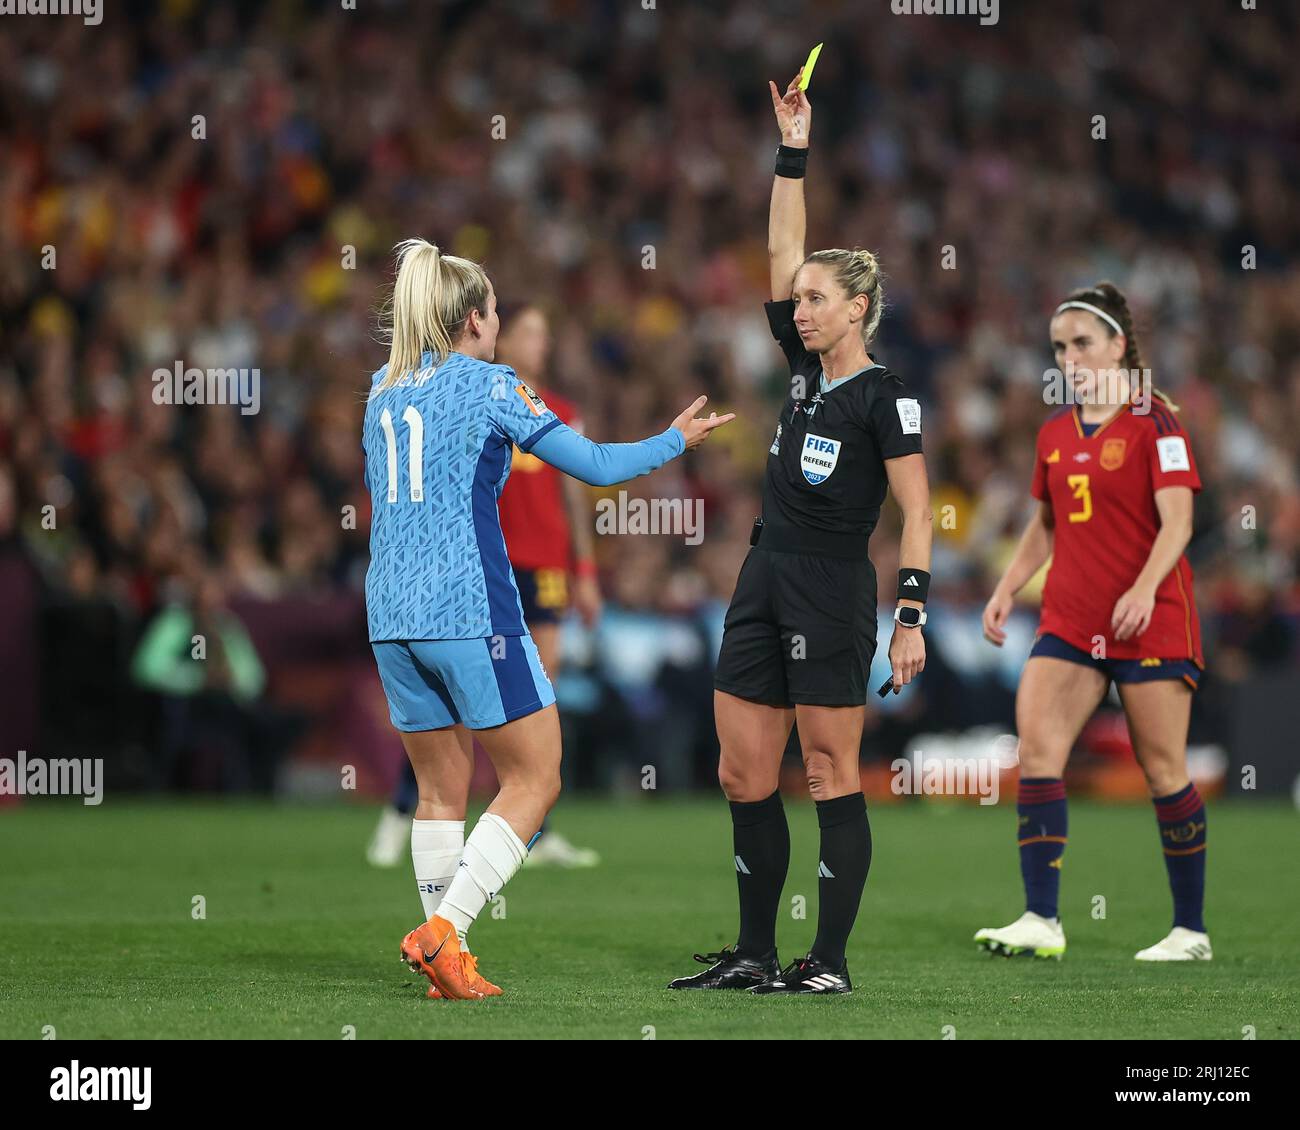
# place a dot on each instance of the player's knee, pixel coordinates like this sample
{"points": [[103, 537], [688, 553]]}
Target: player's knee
{"points": [[741, 782], [1040, 757], [828, 775], [548, 788], [1164, 769], [539, 782]]}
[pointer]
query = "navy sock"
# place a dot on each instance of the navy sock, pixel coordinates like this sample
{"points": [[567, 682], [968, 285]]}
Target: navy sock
{"points": [[841, 873], [407, 794], [1041, 834], [1181, 817], [761, 838]]}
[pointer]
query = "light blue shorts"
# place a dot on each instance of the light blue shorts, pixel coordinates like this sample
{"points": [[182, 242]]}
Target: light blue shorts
{"points": [[432, 684]]}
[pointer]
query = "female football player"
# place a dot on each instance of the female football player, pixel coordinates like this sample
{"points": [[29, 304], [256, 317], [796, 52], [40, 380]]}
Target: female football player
{"points": [[1115, 477], [801, 630], [444, 613], [545, 519]]}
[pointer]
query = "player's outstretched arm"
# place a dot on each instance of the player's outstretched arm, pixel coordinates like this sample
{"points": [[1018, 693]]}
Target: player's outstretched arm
{"points": [[604, 464], [1031, 555], [787, 223]]}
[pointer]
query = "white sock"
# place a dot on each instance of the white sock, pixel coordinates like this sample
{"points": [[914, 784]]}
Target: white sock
{"points": [[493, 853], [436, 847]]}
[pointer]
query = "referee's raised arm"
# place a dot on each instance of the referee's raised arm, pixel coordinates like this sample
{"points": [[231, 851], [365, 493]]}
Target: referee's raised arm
{"points": [[786, 219]]}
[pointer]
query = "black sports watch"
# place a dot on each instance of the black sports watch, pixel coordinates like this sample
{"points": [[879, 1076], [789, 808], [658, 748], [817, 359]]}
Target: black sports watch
{"points": [[909, 617]]}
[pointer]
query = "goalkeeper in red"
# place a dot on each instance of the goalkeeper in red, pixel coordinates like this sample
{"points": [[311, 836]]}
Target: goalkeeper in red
{"points": [[1114, 477]]}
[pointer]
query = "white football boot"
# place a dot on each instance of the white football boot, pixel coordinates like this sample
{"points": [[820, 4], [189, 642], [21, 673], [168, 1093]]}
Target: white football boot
{"points": [[391, 842], [1180, 944], [555, 851], [1030, 934]]}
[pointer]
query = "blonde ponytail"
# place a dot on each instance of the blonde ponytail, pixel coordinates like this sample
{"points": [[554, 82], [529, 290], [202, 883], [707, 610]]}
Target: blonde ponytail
{"points": [[432, 296]]}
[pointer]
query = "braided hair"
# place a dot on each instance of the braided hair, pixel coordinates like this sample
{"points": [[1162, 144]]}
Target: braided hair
{"points": [[1108, 297]]}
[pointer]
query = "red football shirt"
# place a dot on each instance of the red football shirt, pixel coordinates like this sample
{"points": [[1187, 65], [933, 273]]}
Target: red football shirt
{"points": [[534, 519], [1102, 491]]}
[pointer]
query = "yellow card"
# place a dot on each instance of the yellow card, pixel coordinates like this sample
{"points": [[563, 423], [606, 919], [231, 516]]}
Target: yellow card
{"points": [[808, 67]]}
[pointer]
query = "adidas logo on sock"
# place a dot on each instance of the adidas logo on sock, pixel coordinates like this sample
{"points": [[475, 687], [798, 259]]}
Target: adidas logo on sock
{"points": [[823, 872], [740, 866]]}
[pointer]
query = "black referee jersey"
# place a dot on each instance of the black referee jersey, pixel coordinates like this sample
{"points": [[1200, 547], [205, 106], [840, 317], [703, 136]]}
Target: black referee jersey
{"points": [[801, 626], [825, 468]]}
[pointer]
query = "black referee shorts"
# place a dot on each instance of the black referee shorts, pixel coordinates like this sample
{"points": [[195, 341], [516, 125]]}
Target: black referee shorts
{"points": [[801, 628]]}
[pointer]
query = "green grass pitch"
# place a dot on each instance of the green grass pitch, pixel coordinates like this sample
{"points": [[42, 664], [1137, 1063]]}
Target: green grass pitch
{"points": [[300, 938]]}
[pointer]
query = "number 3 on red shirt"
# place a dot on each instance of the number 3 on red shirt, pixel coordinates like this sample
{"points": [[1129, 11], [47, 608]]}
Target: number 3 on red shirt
{"points": [[1079, 484]]}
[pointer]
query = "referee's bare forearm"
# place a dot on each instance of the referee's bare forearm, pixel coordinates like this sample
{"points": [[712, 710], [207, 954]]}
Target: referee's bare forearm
{"points": [[786, 228], [910, 486]]}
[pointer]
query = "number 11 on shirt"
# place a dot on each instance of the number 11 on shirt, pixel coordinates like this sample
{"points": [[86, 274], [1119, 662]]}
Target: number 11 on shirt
{"points": [[415, 458]]}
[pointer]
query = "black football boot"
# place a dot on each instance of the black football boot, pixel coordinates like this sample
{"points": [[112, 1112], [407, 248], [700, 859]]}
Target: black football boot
{"points": [[808, 975], [729, 970]]}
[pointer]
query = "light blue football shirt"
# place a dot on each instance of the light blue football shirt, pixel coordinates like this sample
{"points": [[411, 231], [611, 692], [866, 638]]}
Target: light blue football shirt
{"points": [[437, 447]]}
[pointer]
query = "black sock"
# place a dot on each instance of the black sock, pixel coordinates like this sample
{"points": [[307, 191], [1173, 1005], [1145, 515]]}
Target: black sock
{"points": [[841, 873], [762, 841]]}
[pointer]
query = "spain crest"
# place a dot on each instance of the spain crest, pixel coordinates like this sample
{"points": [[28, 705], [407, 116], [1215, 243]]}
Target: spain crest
{"points": [[1112, 454]]}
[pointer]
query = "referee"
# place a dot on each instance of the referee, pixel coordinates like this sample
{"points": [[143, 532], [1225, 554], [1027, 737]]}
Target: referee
{"points": [[801, 630]]}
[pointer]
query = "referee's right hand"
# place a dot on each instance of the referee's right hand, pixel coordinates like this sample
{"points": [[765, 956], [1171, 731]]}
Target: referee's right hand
{"points": [[793, 113], [697, 431]]}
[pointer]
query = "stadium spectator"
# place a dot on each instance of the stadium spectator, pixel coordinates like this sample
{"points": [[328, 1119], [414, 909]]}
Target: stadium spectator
{"points": [[128, 242], [199, 658]]}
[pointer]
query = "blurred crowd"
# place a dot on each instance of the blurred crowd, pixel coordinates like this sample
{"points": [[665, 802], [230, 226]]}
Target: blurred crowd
{"points": [[221, 184]]}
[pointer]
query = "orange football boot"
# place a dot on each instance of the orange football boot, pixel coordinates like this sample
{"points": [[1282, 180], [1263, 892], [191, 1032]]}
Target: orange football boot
{"points": [[434, 950], [469, 966]]}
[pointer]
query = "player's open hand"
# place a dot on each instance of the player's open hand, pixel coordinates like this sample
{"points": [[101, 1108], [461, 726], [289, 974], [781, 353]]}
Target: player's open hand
{"points": [[1132, 613], [995, 617], [793, 112], [906, 655], [697, 431]]}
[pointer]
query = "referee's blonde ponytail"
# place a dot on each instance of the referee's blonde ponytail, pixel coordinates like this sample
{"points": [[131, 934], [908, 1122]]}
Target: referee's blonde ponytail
{"points": [[432, 296], [857, 272]]}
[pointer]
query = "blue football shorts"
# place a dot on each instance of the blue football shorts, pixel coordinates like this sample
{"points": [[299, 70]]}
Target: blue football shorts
{"points": [[432, 684], [1119, 670]]}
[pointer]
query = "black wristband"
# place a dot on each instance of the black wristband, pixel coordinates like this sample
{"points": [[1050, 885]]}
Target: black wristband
{"points": [[913, 584], [791, 162]]}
